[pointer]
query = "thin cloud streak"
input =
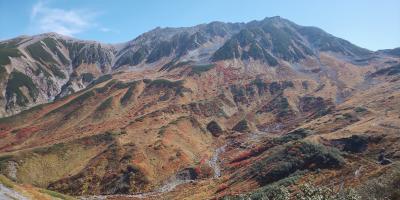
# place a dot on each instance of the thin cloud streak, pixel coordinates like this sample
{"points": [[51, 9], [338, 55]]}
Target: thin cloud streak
{"points": [[67, 22]]}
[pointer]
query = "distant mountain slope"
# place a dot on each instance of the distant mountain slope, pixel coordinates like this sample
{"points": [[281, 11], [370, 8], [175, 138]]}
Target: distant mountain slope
{"points": [[37, 69]]}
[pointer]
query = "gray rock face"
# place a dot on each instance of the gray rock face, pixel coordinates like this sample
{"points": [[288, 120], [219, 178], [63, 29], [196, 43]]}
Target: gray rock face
{"points": [[37, 69], [34, 70]]}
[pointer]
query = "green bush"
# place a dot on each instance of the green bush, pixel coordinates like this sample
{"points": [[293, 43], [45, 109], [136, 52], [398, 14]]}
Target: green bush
{"points": [[360, 109], [310, 192], [241, 126], [40, 54], [105, 104], [87, 77], [57, 72], [52, 45], [273, 193], [306, 192], [292, 157], [101, 79], [173, 65], [176, 86], [214, 128], [8, 50], [123, 85], [387, 186], [128, 94], [260, 84], [40, 70], [17, 80], [50, 149], [3, 73], [199, 69], [297, 134]]}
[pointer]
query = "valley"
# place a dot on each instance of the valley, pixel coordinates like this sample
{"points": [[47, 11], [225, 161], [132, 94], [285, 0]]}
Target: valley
{"points": [[215, 111]]}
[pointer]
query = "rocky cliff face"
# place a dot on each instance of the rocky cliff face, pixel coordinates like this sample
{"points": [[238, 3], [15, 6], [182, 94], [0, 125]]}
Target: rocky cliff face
{"points": [[34, 70], [38, 69]]}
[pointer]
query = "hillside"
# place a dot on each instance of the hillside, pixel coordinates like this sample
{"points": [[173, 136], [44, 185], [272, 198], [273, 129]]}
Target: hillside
{"points": [[50, 66], [219, 110]]}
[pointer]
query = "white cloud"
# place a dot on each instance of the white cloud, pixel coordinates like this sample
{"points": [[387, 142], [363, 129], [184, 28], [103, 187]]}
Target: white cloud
{"points": [[67, 22], [105, 29]]}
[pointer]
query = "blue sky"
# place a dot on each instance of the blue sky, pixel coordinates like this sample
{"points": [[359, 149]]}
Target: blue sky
{"points": [[371, 24]]}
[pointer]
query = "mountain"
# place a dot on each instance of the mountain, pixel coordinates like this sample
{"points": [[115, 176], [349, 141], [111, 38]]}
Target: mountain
{"points": [[210, 111], [35, 70], [50, 66]]}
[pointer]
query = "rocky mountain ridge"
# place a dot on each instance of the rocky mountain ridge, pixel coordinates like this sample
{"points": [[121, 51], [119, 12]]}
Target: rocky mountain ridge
{"points": [[51, 65]]}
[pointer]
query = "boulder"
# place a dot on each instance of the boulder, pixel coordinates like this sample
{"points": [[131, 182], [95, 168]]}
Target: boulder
{"points": [[241, 126], [214, 128]]}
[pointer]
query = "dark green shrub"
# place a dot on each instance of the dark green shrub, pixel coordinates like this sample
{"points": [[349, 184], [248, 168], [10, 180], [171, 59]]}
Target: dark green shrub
{"points": [[57, 72], [172, 65], [167, 85], [386, 186], [16, 80], [311, 192], [40, 54], [360, 109], [297, 134], [214, 128], [128, 94], [199, 69], [8, 50], [123, 85], [105, 104], [260, 84], [52, 45], [279, 105], [3, 73], [50, 149], [353, 144], [295, 156], [101, 79], [241, 126], [310, 103], [87, 77]]}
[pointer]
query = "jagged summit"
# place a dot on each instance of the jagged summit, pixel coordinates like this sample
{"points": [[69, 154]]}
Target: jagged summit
{"points": [[64, 61]]}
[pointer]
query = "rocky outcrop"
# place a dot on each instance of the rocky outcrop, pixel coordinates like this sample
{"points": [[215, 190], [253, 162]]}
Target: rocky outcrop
{"points": [[214, 128], [242, 126]]}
